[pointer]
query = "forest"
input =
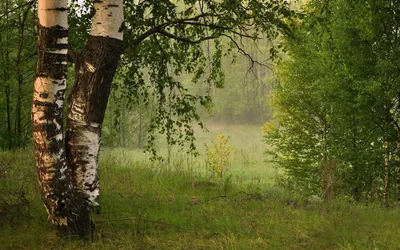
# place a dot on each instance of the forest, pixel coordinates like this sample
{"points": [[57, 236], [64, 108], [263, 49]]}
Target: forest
{"points": [[199, 124]]}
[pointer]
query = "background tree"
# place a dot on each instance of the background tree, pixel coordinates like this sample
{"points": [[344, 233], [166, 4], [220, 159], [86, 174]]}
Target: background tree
{"points": [[337, 99], [17, 47], [126, 122]]}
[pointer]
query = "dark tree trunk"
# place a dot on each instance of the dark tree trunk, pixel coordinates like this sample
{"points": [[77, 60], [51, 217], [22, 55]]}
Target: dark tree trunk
{"points": [[386, 190], [95, 70], [397, 170], [8, 89], [8, 107]]}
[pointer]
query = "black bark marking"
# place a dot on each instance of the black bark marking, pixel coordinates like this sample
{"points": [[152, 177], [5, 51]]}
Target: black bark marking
{"points": [[58, 9], [44, 95], [48, 42], [121, 27], [61, 46]]}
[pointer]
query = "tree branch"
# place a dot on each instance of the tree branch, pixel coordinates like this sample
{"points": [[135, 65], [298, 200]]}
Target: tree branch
{"points": [[162, 26], [30, 3], [243, 52], [187, 40]]}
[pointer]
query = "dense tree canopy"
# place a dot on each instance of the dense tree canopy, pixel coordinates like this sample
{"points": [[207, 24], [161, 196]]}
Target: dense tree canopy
{"points": [[337, 99], [17, 48]]}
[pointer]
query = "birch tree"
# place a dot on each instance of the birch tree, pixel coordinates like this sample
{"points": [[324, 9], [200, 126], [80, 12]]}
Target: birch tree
{"points": [[68, 171], [47, 105], [95, 68], [162, 36]]}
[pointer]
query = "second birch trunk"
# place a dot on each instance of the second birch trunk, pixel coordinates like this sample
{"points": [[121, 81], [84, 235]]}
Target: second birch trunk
{"points": [[95, 68]]}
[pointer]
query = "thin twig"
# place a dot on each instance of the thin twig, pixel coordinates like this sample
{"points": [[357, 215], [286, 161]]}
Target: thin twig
{"points": [[18, 7]]}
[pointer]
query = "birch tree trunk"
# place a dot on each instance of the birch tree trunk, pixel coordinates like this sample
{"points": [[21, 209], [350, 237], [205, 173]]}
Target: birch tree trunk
{"points": [[386, 194], [397, 169], [95, 68], [7, 82], [66, 209]]}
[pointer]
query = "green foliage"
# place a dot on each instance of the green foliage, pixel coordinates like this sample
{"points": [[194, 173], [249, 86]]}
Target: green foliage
{"points": [[337, 96], [15, 186], [126, 122], [166, 40], [218, 156], [17, 49]]}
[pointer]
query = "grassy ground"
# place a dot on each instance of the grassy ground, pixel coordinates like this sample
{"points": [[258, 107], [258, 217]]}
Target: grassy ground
{"points": [[147, 206], [247, 163]]}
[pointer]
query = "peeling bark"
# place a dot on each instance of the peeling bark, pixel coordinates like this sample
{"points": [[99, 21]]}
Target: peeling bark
{"points": [[95, 69], [66, 209]]}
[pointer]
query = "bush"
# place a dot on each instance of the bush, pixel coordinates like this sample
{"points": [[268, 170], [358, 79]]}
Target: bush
{"points": [[14, 183]]}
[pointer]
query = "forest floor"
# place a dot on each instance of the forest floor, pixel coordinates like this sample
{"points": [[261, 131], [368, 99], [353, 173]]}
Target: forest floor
{"points": [[147, 205]]}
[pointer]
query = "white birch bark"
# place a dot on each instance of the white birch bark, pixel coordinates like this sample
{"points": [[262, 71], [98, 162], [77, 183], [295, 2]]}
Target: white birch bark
{"points": [[47, 105], [96, 68], [108, 18]]}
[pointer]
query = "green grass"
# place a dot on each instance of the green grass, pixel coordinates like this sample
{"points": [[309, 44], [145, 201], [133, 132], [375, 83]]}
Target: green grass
{"points": [[247, 164], [152, 206]]}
